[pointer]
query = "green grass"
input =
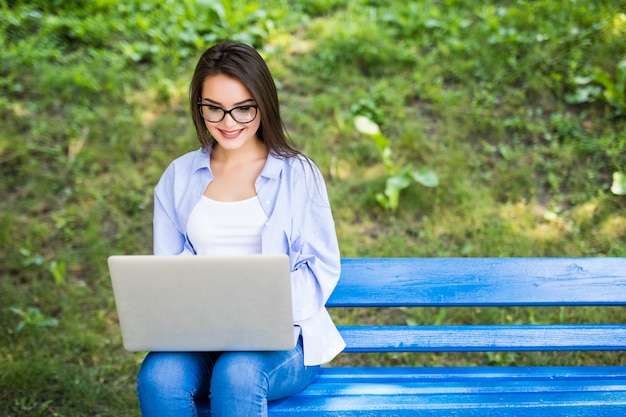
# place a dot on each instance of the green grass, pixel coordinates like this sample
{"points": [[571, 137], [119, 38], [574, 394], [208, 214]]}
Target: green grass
{"points": [[498, 98]]}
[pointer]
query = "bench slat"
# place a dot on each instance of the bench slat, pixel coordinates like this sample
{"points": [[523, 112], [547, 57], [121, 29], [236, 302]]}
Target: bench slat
{"points": [[456, 387], [459, 405], [527, 391], [459, 391], [484, 338], [465, 373], [390, 282]]}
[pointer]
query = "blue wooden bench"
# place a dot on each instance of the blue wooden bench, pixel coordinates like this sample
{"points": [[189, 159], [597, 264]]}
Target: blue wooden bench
{"points": [[481, 390]]}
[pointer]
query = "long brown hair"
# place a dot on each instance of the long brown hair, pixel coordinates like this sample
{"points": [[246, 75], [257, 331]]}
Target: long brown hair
{"points": [[244, 63]]}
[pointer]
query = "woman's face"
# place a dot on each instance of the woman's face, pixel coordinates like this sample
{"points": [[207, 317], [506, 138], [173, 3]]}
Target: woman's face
{"points": [[226, 93]]}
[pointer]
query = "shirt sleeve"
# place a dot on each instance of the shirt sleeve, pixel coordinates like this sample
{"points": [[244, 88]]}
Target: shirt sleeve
{"points": [[314, 248], [169, 237]]}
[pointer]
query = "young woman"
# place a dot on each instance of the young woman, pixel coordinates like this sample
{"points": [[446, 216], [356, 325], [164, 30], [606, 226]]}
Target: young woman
{"points": [[245, 191]]}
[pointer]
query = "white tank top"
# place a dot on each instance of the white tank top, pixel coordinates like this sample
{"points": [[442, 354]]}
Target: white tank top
{"points": [[226, 228]]}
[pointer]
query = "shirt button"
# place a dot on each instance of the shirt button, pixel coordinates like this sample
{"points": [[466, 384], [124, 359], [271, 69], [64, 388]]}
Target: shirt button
{"points": [[267, 224]]}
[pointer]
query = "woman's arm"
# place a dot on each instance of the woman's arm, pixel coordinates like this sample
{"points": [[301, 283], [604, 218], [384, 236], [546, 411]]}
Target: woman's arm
{"points": [[168, 234], [314, 246]]}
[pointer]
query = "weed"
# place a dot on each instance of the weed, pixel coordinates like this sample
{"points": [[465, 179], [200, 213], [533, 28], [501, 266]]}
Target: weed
{"points": [[58, 272], [397, 179], [32, 316], [619, 183], [601, 86]]}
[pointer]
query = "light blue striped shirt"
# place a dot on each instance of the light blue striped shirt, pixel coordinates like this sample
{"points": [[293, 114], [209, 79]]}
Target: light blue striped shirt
{"points": [[293, 195]]}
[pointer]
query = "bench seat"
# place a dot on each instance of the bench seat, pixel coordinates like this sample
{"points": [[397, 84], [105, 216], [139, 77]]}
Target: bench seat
{"points": [[462, 391]]}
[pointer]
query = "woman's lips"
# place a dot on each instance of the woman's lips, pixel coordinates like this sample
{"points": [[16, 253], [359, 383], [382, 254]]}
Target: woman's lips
{"points": [[231, 134]]}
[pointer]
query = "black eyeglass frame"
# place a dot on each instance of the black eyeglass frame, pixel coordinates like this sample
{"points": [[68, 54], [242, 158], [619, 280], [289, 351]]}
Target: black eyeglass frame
{"points": [[225, 112]]}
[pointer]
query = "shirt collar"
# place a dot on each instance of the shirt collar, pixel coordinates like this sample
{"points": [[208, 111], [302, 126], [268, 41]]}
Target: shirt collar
{"points": [[272, 169], [201, 159], [273, 166]]}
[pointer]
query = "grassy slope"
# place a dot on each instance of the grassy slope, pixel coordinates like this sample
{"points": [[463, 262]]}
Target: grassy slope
{"points": [[93, 109]]}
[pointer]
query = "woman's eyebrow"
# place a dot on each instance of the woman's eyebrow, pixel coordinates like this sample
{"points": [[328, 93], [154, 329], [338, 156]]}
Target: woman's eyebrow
{"points": [[239, 103]]}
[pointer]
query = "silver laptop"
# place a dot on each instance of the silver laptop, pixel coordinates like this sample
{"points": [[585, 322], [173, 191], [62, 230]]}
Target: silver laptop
{"points": [[203, 303]]}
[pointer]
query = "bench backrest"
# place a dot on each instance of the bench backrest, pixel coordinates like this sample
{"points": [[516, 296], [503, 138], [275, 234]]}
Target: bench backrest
{"points": [[482, 282]]}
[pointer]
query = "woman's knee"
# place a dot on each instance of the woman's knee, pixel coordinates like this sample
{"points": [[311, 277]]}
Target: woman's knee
{"points": [[238, 371], [171, 373]]}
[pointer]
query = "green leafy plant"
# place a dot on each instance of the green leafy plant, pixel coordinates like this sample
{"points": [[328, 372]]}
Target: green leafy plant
{"points": [[397, 179], [58, 272], [601, 86], [32, 316], [30, 259], [614, 89], [619, 183]]}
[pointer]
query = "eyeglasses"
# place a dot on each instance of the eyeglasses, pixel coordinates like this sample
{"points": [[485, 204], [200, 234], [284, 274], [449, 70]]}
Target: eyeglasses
{"points": [[240, 114]]}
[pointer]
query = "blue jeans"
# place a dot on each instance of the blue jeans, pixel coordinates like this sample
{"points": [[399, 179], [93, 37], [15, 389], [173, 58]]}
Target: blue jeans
{"points": [[229, 383]]}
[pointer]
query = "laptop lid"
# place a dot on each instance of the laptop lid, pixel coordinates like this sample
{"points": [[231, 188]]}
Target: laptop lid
{"points": [[203, 303]]}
